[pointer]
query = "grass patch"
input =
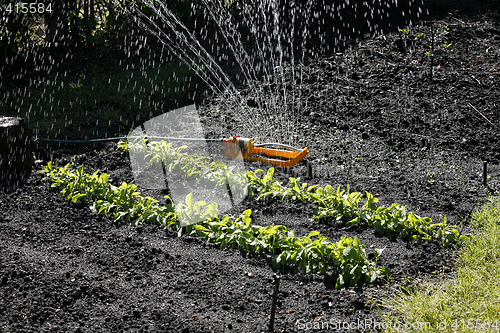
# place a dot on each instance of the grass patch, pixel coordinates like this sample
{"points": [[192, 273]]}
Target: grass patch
{"points": [[80, 106], [470, 302]]}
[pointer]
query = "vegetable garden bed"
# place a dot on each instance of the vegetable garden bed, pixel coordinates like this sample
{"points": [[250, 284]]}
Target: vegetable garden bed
{"points": [[65, 267]]}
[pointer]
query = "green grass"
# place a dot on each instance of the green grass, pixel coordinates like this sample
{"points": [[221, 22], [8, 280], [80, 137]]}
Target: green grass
{"points": [[470, 301], [77, 105]]}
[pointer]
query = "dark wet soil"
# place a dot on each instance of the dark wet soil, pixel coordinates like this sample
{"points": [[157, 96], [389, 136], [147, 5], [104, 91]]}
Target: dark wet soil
{"points": [[375, 119]]}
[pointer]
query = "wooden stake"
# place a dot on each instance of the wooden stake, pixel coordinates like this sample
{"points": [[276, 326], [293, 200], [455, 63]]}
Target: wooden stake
{"points": [[275, 300], [485, 173]]}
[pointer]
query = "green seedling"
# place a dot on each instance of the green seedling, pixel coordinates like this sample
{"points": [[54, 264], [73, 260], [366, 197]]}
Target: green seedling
{"points": [[405, 31], [192, 212]]}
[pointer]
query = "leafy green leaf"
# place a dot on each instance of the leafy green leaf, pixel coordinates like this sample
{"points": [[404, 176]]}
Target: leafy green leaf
{"points": [[313, 233], [189, 200]]}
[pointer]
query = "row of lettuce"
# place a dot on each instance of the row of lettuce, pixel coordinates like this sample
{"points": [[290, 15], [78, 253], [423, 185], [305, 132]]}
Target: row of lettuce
{"points": [[346, 259], [339, 205]]}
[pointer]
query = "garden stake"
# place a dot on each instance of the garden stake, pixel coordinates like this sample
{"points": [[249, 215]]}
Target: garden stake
{"points": [[275, 300], [485, 173]]}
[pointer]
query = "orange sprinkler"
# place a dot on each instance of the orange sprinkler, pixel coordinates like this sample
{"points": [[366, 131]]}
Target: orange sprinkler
{"points": [[283, 156]]}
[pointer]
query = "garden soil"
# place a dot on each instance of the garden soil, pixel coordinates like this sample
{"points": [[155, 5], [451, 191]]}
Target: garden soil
{"points": [[376, 119]]}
